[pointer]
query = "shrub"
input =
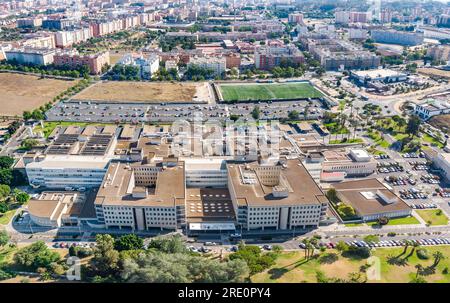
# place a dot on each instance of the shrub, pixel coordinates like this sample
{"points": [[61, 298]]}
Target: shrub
{"points": [[422, 254]]}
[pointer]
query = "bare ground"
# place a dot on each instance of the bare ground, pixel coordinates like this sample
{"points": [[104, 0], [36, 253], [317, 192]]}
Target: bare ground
{"points": [[151, 92], [20, 92]]}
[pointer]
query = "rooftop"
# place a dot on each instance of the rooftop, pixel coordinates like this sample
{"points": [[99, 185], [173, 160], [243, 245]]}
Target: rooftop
{"points": [[364, 197], [288, 183]]}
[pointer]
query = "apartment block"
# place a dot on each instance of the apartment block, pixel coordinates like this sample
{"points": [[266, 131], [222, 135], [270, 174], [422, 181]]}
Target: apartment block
{"points": [[95, 62], [148, 65], [216, 64], [397, 37], [28, 55], [439, 52], [268, 57], [295, 18]]}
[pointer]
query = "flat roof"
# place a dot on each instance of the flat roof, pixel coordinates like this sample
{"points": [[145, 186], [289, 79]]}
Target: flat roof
{"points": [[117, 185], [209, 205], [378, 73], [250, 189], [71, 161], [355, 194]]}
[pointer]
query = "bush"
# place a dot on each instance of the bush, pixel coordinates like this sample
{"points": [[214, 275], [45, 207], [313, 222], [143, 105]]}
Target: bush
{"points": [[422, 254]]}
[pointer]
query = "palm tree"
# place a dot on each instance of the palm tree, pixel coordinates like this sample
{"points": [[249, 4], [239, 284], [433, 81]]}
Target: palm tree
{"points": [[438, 256], [407, 243], [419, 268], [306, 242]]}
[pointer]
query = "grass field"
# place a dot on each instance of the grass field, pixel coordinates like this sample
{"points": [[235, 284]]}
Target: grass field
{"points": [[244, 92], [433, 216], [123, 91], [26, 92], [291, 267]]}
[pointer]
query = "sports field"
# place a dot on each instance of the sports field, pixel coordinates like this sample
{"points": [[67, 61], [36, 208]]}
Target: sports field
{"points": [[269, 91]]}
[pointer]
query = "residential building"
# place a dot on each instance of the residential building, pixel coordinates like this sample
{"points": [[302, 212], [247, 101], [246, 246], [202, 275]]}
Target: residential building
{"points": [[216, 64], [439, 52], [397, 37], [29, 22], [296, 18], [95, 62], [148, 66], [340, 55], [28, 55], [267, 57]]}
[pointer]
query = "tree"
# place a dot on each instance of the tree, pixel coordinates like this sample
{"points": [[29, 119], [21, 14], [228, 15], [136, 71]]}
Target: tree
{"points": [[332, 195], [106, 258], [36, 255], [6, 162], [342, 246], [419, 268], [293, 115], [438, 256], [169, 245], [5, 190], [413, 126], [29, 143], [6, 176], [21, 196], [4, 238], [371, 238], [129, 242], [255, 260], [256, 112]]}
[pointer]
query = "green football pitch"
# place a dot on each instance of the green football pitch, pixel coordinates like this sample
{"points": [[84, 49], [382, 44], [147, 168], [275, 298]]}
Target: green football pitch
{"points": [[292, 90]]}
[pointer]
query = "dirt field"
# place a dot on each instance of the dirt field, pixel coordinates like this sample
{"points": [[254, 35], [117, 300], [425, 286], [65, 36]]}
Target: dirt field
{"points": [[151, 92], [26, 92], [434, 72], [442, 122]]}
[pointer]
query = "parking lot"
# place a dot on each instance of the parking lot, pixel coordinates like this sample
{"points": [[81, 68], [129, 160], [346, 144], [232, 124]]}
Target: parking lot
{"points": [[85, 111]]}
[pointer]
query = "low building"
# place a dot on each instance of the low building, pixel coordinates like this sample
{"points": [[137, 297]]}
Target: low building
{"points": [[371, 199], [378, 75], [55, 209], [355, 163], [442, 162], [431, 108], [60, 172]]}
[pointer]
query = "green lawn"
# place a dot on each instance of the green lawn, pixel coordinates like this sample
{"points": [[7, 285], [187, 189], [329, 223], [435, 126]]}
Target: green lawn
{"points": [[399, 221], [356, 140], [433, 216], [291, 267], [6, 217], [244, 92], [431, 140]]}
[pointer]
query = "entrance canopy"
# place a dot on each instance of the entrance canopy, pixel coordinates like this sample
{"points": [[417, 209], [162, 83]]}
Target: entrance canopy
{"points": [[211, 226]]}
